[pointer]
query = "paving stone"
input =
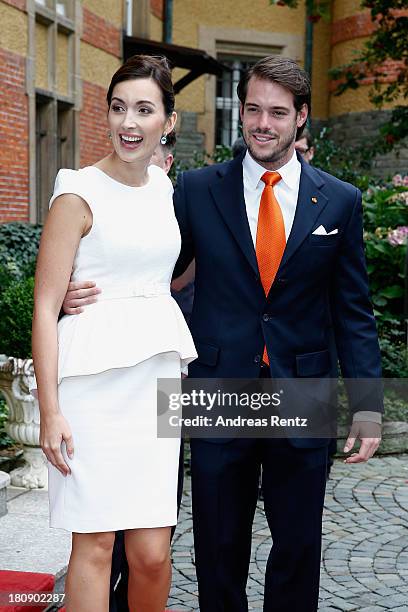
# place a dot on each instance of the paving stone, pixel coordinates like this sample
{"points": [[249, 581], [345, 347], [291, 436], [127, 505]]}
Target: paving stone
{"points": [[365, 546]]}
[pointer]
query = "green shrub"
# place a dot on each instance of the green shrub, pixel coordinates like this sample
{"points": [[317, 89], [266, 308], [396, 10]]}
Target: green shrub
{"points": [[19, 244], [351, 164], [18, 251], [394, 351], [5, 440], [220, 154], [16, 311], [385, 216]]}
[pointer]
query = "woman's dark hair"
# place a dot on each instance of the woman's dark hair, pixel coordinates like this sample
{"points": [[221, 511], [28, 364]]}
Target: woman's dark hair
{"points": [[171, 140], [146, 67], [283, 71]]}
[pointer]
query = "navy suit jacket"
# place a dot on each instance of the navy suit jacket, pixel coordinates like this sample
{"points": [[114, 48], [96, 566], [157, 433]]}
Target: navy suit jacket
{"points": [[321, 286]]}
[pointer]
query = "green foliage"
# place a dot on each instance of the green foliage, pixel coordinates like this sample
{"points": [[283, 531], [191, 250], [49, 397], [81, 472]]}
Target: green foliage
{"points": [[346, 163], [16, 311], [5, 440], [18, 251], [315, 9], [384, 210], [388, 43], [201, 159], [394, 352]]}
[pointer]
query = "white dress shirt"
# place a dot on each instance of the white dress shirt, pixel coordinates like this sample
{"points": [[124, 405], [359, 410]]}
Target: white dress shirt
{"points": [[286, 192]]}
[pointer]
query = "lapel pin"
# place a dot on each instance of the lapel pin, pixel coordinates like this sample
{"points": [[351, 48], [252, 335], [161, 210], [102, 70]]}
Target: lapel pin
{"points": [[314, 199]]}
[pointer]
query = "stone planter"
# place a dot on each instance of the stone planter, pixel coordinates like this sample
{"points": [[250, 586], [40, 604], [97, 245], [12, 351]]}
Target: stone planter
{"points": [[24, 421], [4, 481]]}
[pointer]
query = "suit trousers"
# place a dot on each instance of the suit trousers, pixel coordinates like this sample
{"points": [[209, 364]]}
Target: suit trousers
{"points": [[225, 479]]}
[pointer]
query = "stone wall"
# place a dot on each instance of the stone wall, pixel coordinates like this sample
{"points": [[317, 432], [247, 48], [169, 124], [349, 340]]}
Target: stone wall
{"points": [[189, 140], [362, 128]]}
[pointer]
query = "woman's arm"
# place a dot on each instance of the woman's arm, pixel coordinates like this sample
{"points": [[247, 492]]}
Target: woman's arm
{"points": [[68, 220]]}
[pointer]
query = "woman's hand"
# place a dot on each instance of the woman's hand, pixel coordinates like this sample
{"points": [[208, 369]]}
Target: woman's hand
{"points": [[53, 431]]}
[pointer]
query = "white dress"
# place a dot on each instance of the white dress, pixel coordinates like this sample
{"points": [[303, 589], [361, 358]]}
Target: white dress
{"points": [[109, 358]]}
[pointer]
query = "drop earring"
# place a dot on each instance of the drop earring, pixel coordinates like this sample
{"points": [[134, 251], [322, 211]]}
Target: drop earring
{"points": [[163, 139], [110, 135]]}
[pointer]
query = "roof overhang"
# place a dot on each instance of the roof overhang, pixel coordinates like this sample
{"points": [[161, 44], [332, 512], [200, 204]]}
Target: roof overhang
{"points": [[196, 61]]}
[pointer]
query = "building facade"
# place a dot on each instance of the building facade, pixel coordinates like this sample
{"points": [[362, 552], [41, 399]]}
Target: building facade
{"points": [[57, 57]]}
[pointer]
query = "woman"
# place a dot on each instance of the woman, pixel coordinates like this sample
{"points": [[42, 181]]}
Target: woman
{"points": [[97, 372]]}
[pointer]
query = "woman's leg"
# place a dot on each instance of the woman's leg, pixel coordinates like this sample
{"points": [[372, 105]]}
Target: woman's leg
{"points": [[87, 583], [148, 555]]}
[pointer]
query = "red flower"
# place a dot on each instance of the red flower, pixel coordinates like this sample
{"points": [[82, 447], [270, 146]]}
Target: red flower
{"points": [[390, 139], [314, 18]]}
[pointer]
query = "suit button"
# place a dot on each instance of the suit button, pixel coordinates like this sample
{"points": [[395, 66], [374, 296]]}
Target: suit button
{"points": [[257, 359], [265, 317], [282, 281]]}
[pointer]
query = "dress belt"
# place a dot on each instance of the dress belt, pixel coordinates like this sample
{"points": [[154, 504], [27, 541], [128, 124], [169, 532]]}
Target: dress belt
{"points": [[147, 290]]}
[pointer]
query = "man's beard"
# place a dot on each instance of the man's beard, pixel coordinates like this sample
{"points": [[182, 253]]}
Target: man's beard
{"points": [[278, 153]]}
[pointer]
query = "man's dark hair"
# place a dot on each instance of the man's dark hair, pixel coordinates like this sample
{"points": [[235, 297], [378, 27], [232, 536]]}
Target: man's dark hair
{"points": [[286, 73]]}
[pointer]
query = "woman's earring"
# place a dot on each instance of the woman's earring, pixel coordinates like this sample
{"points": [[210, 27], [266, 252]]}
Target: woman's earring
{"points": [[163, 139], [110, 135]]}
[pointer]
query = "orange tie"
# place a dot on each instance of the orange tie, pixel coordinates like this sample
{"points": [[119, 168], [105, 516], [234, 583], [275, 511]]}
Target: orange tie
{"points": [[270, 236]]}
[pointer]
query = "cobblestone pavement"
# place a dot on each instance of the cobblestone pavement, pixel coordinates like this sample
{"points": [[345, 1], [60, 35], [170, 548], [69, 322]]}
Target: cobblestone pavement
{"points": [[365, 543]]}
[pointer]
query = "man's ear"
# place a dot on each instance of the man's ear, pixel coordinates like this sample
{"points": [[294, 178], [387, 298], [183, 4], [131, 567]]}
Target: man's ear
{"points": [[168, 162], [241, 110], [302, 115]]}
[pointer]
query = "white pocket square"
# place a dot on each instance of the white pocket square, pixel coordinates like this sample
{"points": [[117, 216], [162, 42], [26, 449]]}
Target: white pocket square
{"points": [[321, 231]]}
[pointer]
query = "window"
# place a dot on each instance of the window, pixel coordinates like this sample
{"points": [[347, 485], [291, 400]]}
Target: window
{"points": [[54, 145], [227, 104], [55, 40], [65, 136], [63, 8], [43, 142]]}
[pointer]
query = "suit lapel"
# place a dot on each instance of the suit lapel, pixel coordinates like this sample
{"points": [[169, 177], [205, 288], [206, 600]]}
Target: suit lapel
{"points": [[228, 194], [310, 204]]}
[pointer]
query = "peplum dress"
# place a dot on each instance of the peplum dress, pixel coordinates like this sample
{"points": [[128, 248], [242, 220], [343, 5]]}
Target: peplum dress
{"points": [[110, 356]]}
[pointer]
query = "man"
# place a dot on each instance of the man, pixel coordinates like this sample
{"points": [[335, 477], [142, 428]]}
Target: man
{"points": [[305, 146], [163, 155], [279, 251]]}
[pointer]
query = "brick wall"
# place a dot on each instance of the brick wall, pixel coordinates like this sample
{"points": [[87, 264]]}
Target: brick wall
{"points": [[157, 8], [19, 4], [14, 194], [94, 142], [101, 34]]}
